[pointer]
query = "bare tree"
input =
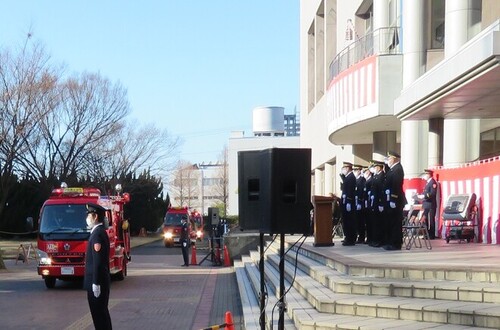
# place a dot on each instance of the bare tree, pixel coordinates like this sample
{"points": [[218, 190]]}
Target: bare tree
{"points": [[184, 188], [221, 188], [26, 96], [90, 111], [137, 148]]}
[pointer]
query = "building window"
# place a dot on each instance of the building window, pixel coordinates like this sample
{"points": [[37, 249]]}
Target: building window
{"points": [[437, 24], [490, 143]]}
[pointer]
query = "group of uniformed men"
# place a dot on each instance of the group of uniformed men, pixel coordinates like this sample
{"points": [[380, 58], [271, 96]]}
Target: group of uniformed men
{"points": [[372, 203]]}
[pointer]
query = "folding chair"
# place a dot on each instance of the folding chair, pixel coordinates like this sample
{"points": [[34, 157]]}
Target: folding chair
{"points": [[414, 227], [337, 228]]}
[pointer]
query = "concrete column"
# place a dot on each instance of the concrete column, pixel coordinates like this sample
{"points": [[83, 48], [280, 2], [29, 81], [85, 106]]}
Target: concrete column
{"points": [[435, 142], [329, 179], [380, 14], [460, 141], [414, 133], [414, 137], [461, 137], [414, 40], [462, 22], [318, 182], [382, 143]]}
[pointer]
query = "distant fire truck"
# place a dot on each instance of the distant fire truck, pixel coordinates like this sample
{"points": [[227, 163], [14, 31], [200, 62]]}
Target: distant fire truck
{"points": [[172, 225], [63, 233]]}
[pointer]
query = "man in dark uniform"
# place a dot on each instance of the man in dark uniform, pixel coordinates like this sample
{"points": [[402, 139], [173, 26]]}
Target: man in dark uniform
{"points": [[359, 202], [395, 202], [368, 214], [429, 203], [348, 207], [184, 240], [97, 279], [377, 198]]}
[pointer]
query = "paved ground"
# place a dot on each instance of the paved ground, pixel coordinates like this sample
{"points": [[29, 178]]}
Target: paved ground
{"points": [[217, 294]]}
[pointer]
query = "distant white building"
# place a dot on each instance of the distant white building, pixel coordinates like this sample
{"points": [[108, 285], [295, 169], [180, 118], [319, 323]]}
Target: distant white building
{"points": [[202, 187], [271, 129]]}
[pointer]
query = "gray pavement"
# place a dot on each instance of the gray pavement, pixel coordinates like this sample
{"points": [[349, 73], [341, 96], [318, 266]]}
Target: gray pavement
{"points": [[204, 305]]}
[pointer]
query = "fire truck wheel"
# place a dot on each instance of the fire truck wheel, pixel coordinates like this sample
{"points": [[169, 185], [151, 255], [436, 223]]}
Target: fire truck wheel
{"points": [[50, 282]]}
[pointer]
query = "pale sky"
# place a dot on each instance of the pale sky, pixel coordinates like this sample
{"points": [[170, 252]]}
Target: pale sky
{"points": [[196, 68]]}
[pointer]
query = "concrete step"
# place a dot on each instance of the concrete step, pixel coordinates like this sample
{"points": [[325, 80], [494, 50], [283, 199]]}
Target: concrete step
{"points": [[427, 289], [413, 309], [249, 302], [354, 267], [253, 279], [305, 316]]}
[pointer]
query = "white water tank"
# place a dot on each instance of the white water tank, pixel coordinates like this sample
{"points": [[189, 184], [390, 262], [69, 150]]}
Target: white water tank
{"points": [[268, 121]]}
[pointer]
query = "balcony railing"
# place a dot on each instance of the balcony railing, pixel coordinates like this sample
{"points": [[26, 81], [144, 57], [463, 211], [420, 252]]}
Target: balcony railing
{"points": [[379, 42]]}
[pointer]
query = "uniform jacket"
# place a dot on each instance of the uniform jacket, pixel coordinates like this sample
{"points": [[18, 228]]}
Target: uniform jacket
{"points": [[360, 191], [377, 197], [349, 190], [394, 185], [367, 192], [184, 232], [430, 191], [97, 262]]}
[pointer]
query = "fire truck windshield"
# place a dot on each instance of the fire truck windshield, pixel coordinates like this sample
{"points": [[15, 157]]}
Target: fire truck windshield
{"points": [[64, 221], [173, 219]]}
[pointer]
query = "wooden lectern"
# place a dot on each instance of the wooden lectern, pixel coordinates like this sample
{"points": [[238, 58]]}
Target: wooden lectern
{"points": [[323, 223]]}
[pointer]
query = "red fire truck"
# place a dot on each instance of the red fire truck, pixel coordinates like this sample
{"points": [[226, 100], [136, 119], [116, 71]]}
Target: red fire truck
{"points": [[172, 225], [63, 233]]}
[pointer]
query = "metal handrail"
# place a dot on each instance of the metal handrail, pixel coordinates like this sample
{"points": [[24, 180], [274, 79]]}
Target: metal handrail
{"points": [[382, 41]]}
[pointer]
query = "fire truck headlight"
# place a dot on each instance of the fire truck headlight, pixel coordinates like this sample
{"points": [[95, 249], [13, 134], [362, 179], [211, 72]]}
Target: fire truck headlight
{"points": [[199, 234], [44, 258], [167, 235], [45, 261]]}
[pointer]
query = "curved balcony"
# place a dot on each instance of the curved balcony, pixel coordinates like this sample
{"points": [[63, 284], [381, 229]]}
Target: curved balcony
{"points": [[383, 41], [365, 78]]}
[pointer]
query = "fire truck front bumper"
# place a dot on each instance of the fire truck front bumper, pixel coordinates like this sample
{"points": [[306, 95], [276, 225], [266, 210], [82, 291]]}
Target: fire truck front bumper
{"points": [[60, 271]]}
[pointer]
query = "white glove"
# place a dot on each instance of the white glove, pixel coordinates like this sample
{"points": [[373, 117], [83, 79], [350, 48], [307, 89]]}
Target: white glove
{"points": [[381, 209], [184, 244], [97, 290], [348, 207], [358, 207], [392, 205]]}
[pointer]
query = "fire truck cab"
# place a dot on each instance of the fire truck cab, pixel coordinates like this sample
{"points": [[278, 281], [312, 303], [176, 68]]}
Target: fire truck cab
{"points": [[63, 233], [172, 225]]}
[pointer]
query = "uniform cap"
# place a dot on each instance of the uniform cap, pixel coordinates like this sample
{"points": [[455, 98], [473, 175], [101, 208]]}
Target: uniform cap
{"points": [[431, 172], [377, 163], [357, 167], [348, 164], [393, 154], [97, 209]]}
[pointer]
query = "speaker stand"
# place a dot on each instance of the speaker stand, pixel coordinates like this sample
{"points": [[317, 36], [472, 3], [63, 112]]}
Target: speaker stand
{"points": [[211, 254], [262, 318], [282, 307]]}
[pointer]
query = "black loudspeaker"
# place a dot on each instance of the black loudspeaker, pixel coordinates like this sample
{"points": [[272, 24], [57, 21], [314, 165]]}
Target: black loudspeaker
{"points": [[275, 190], [249, 199], [213, 215]]}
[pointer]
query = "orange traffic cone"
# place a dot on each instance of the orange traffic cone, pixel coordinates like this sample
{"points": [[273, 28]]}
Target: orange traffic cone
{"points": [[193, 255], [229, 321], [227, 262]]}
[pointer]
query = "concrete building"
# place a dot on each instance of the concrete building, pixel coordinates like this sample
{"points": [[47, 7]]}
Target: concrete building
{"points": [[200, 186], [271, 129], [419, 77]]}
